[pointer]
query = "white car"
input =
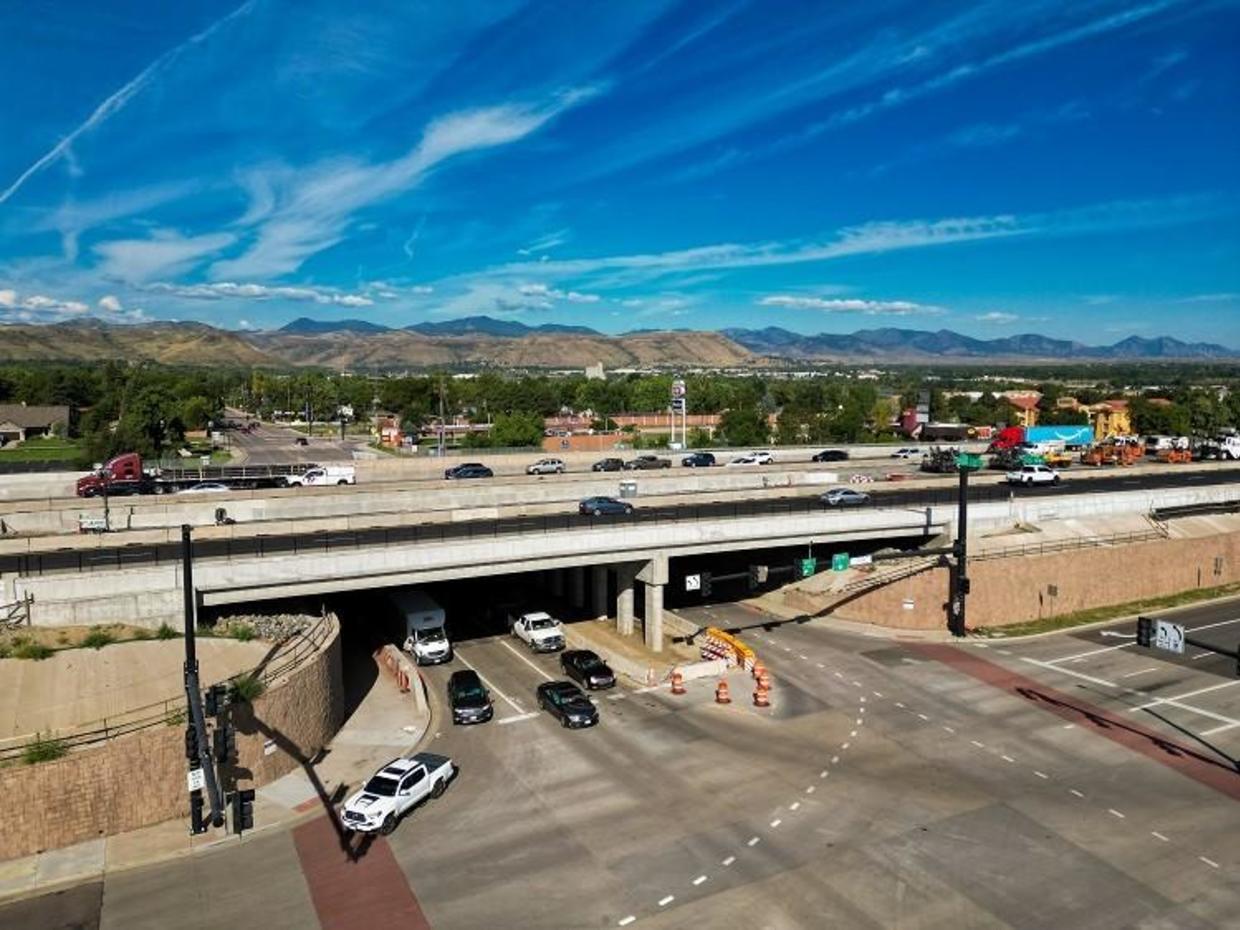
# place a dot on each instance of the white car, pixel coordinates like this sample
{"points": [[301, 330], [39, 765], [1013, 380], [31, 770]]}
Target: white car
{"points": [[1033, 474], [754, 458], [907, 452], [206, 487], [394, 789], [323, 475], [539, 630], [545, 467]]}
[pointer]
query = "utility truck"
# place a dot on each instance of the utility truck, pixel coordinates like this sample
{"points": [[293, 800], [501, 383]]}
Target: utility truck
{"points": [[424, 624]]}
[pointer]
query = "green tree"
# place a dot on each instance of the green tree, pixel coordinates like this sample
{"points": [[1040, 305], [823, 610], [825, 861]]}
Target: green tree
{"points": [[511, 430], [743, 426]]}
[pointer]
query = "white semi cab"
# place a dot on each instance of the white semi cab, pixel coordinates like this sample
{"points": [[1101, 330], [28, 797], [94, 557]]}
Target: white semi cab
{"points": [[538, 630], [1033, 474], [394, 790], [424, 624], [322, 476]]}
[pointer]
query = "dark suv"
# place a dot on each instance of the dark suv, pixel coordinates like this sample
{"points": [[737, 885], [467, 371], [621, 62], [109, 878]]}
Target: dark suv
{"points": [[468, 698], [831, 455], [469, 470], [608, 465], [698, 460]]}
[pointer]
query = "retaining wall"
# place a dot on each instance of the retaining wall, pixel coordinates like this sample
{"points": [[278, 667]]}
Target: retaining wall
{"points": [[138, 780]]}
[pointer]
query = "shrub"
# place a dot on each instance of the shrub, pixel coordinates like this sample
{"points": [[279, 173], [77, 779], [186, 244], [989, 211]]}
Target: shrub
{"points": [[97, 638], [44, 750], [166, 632], [175, 718], [62, 638], [31, 650], [5, 650], [247, 687], [242, 632]]}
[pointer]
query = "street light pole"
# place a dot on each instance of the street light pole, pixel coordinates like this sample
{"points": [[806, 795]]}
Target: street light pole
{"points": [[193, 692], [960, 550]]}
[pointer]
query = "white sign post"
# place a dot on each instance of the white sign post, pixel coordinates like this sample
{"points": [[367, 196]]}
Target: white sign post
{"points": [[693, 582], [1169, 636], [196, 779]]}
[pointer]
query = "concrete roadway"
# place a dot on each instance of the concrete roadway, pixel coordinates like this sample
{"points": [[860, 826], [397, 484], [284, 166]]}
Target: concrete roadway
{"points": [[272, 444], [887, 787]]}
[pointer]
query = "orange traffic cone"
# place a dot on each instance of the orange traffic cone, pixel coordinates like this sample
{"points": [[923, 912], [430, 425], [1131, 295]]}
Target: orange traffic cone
{"points": [[761, 696], [722, 694], [678, 683], [758, 670], [764, 680]]}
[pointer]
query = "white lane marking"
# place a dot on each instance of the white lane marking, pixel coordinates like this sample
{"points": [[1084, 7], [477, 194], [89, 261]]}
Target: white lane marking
{"points": [[799, 656], [863, 699], [1210, 862], [625, 921], [1188, 694], [787, 649], [486, 681], [1159, 836], [823, 774], [1140, 671], [794, 805], [835, 759], [616, 697], [838, 675], [664, 902], [526, 660], [852, 732], [1007, 758], [517, 719], [809, 789], [728, 861], [844, 745], [699, 879], [1202, 655], [1065, 671], [856, 684], [1040, 774], [646, 689], [1114, 813], [1220, 729], [861, 710], [753, 841], [922, 717], [1077, 656], [860, 720], [775, 823], [877, 694], [977, 744], [1075, 792], [900, 705], [1069, 726], [949, 729], [820, 665]]}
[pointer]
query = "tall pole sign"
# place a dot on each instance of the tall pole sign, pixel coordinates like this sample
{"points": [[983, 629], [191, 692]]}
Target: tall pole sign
{"points": [[678, 407]]}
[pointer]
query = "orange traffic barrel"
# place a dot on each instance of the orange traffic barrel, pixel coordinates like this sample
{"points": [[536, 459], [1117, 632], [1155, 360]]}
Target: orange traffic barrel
{"points": [[678, 683], [722, 694], [761, 696]]}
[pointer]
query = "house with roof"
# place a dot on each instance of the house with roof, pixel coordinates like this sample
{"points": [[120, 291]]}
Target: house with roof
{"points": [[19, 422]]}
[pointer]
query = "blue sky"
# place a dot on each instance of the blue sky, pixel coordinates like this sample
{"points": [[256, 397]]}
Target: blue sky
{"points": [[994, 168]]}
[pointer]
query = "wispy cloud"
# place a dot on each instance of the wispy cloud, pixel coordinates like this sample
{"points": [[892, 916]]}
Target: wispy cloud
{"points": [[545, 243], [1215, 298], [165, 254], [851, 305], [551, 293], [222, 290], [997, 316], [312, 207], [116, 101]]}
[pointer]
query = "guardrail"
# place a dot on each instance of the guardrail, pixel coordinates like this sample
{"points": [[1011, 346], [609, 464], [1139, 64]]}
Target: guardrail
{"points": [[1063, 545], [1195, 510], [170, 711]]}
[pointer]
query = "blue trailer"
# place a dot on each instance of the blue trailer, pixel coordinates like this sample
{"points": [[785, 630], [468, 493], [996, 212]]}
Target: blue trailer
{"points": [[1070, 437]]}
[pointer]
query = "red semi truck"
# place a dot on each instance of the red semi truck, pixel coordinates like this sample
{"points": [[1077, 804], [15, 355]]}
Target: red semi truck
{"points": [[1066, 437], [124, 475]]}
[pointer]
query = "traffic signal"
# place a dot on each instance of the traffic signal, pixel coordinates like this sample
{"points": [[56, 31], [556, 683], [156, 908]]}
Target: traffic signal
{"points": [[243, 810], [704, 588], [191, 742], [955, 617], [224, 743], [196, 823], [1145, 631], [216, 700]]}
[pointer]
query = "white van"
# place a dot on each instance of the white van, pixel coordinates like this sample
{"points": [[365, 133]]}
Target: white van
{"points": [[425, 626]]}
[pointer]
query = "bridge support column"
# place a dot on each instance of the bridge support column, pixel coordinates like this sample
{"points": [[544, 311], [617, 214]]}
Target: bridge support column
{"points": [[598, 592], [626, 578], [557, 582], [654, 575], [577, 586]]}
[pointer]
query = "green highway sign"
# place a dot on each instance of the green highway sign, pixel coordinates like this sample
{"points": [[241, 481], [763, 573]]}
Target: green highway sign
{"points": [[968, 460], [839, 562], [808, 567]]}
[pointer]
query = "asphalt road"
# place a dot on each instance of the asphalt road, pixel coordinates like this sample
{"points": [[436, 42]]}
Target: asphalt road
{"points": [[105, 559], [890, 785], [270, 444]]}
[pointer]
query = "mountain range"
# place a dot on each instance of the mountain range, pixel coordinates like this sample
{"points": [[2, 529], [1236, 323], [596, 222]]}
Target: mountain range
{"points": [[483, 341]]}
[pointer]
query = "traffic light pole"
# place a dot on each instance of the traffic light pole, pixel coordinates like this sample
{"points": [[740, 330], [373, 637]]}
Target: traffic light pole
{"points": [[193, 692], [960, 570]]}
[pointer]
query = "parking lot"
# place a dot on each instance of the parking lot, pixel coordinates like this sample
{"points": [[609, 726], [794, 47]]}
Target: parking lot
{"points": [[1191, 697]]}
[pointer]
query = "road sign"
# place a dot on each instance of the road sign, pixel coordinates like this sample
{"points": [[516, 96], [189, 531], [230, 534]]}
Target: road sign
{"points": [[693, 582], [967, 460], [1169, 636], [678, 389], [196, 779], [860, 560], [808, 567], [839, 562]]}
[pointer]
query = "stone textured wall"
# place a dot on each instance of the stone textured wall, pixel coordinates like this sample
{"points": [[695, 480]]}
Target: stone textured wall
{"points": [[138, 780], [1030, 587]]}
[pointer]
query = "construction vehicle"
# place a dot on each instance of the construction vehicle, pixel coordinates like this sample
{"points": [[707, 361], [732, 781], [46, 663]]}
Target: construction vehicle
{"points": [[1057, 458], [1175, 456], [940, 460], [1012, 459]]}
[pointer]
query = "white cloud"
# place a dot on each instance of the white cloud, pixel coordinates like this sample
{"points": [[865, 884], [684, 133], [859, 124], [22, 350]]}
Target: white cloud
{"points": [[1218, 298], [997, 316], [111, 303], [38, 308], [311, 208], [8, 298], [551, 293], [221, 290], [422, 289], [165, 253], [116, 101], [851, 305], [545, 243]]}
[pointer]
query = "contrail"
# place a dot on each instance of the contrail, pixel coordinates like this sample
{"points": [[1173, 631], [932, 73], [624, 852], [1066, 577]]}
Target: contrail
{"points": [[116, 102]]}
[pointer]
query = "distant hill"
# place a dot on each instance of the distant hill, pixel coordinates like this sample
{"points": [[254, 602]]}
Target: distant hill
{"points": [[489, 326], [893, 344], [95, 341], [304, 324]]}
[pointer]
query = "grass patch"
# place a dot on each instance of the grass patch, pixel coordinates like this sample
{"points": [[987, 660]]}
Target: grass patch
{"points": [[97, 638], [248, 688], [242, 632], [44, 750], [167, 632], [1098, 614], [36, 652], [48, 449], [175, 718]]}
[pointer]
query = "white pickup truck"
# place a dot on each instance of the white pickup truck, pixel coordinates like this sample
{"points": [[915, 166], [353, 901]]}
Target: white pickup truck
{"points": [[538, 630], [394, 790], [1033, 474], [323, 475]]}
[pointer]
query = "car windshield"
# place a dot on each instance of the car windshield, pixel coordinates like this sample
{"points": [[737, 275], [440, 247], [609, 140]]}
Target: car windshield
{"points": [[543, 624], [386, 787], [471, 692], [431, 636]]}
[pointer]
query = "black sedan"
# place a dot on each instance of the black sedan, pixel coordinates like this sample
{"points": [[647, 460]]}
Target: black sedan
{"points": [[608, 465], [831, 455], [587, 669], [469, 470], [468, 698], [600, 506], [568, 703], [698, 460]]}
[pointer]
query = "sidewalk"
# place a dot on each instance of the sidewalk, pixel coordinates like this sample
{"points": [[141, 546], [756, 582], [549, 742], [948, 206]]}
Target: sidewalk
{"points": [[384, 725]]}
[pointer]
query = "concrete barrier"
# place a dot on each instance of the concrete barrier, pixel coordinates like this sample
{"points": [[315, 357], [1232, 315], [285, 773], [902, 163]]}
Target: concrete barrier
{"points": [[708, 668]]}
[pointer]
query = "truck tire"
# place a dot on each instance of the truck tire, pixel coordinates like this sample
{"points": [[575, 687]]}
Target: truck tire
{"points": [[160, 489], [389, 824], [342, 481], [438, 789]]}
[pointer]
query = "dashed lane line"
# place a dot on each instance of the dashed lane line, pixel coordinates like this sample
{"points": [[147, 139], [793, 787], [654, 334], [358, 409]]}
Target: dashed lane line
{"points": [[517, 719], [728, 861], [525, 659], [699, 879], [486, 681], [666, 900], [1075, 792], [625, 921], [1210, 862], [1114, 813], [1159, 836]]}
